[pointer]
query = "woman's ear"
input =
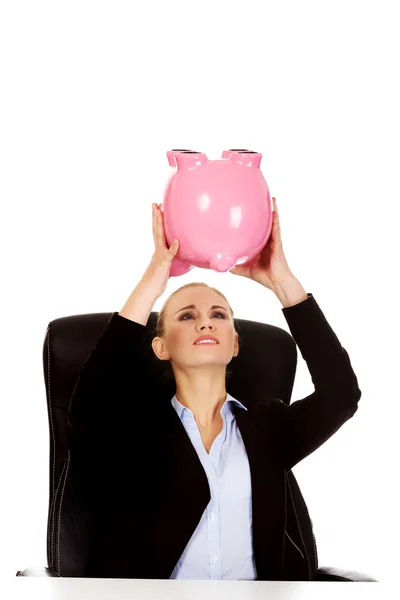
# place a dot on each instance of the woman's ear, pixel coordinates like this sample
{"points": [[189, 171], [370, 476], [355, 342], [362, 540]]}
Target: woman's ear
{"points": [[159, 349], [236, 346], [154, 344]]}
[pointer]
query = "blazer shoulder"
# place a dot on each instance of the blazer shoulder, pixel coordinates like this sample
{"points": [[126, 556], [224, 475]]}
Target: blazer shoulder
{"points": [[265, 410], [124, 326]]}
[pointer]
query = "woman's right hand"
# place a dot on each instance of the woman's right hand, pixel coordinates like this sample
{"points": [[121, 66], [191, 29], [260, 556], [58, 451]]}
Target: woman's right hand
{"points": [[156, 275]]}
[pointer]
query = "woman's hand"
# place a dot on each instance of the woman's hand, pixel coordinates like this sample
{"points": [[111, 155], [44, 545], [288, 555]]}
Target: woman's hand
{"points": [[156, 276], [270, 267]]}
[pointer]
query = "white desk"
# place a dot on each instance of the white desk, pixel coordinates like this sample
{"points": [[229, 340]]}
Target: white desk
{"points": [[68, 588]]}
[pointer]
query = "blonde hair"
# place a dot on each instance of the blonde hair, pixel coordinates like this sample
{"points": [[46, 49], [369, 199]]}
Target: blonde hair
{"points": [[160, 324]]}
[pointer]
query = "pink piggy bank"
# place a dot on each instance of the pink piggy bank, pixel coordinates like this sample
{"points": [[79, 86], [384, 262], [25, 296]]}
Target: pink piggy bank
{"points": [[219, 210]]}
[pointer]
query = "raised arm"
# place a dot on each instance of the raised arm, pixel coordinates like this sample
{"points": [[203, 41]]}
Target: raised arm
{"points": [[116, 367], [306, 424]]}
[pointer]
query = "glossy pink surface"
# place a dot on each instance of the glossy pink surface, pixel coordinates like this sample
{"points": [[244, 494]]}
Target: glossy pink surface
{"points": [[219, 210]]}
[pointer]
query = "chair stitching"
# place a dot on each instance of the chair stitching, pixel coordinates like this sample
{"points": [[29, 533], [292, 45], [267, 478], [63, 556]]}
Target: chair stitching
{"points": [[53, 513], [301, 535], [51, 412], [295, 545], [59, 513], [52, 483]]}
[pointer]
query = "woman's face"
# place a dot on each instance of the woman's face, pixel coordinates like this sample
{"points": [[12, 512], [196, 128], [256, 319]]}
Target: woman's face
{"points": [[194, 312]]}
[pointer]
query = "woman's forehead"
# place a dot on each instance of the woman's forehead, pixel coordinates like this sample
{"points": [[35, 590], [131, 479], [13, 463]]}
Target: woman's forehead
{"points": [[197, 298]]}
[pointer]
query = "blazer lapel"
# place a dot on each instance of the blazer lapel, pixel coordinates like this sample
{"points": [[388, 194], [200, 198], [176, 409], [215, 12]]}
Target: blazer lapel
{"points": [[268, 493], [182, 493]]}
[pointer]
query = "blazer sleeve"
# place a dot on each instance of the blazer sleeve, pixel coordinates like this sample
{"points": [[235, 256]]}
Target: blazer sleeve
{"points": [[113, 381], [306, 424]]}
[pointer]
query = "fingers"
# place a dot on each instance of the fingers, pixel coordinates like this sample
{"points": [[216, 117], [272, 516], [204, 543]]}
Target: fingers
{"points": [[158, 228], [276, 214], [173, 249], [159, 233], [154, 223]]}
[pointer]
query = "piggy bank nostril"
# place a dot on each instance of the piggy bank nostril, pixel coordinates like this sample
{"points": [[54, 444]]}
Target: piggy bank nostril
{"points": [[185, 151]]}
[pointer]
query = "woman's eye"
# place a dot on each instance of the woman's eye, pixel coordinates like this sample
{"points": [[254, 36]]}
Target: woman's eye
{"points": [[190, 314]]}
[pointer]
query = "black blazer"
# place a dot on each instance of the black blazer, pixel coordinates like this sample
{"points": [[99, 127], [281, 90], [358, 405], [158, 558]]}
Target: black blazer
{"points": [[135, 470]]}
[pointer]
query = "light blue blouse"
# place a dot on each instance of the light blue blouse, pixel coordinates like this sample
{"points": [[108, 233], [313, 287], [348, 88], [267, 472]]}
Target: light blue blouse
{"points": [[221, 547]]}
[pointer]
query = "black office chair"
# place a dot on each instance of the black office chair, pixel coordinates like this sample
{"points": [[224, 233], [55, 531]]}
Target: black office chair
{"points": [[67, 345]]}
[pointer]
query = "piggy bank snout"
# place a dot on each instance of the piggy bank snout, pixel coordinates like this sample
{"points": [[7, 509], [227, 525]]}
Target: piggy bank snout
{"points": [[222, 262]]}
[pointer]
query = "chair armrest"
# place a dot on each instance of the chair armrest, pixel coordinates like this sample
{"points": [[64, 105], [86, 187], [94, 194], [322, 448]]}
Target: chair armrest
{"points": [[337, 574], [37, 572]]}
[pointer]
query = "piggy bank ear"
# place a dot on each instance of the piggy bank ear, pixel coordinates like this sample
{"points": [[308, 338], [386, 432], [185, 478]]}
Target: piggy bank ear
{"points": [[188, 159]]}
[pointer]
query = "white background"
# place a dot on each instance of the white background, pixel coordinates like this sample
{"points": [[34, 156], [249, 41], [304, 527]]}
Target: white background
{"points": [[92, 96]]}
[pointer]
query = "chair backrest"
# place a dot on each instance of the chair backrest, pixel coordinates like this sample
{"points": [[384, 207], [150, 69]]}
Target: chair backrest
{"points": [[266, 363]]}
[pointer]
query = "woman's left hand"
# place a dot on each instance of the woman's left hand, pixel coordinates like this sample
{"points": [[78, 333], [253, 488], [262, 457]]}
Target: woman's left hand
{"points": [[270, 267]]}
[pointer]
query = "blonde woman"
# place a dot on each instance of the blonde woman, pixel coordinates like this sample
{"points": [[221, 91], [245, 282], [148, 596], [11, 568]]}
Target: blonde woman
{"points": [[194, 486]]}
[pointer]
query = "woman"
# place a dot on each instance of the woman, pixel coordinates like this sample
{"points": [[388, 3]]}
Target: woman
{"points": [[194, 487]]}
